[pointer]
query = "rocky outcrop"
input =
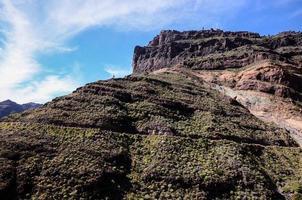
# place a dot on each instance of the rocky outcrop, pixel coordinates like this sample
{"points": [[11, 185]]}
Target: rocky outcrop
{"points": [[215, 49], [8, 107], [239, 61]]}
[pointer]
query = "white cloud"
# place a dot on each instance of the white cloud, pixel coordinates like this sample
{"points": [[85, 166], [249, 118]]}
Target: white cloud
{"points": [[17, 61], [33, 27], [117, 72], [40, 91]]}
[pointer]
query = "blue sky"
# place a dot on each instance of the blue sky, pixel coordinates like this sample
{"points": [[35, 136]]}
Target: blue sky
{"points": [[49, 48]]}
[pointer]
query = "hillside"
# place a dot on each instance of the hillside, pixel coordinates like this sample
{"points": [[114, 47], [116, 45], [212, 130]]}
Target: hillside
{"points": [[8, 107], [162, 135], [263, 73]]}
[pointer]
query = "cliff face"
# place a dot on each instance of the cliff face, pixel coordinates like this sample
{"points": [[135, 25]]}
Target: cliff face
{"points": [[215, 49], [264, 73]]}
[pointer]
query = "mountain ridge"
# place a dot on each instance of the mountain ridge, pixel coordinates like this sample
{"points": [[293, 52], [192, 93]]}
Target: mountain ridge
{"points": [[171, 48], [8, 107]]}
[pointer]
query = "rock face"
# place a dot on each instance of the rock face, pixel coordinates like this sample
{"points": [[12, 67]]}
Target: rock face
{"points": [[8, 107], [176, 133], [236, 63], [215, 49], [218, 50]]}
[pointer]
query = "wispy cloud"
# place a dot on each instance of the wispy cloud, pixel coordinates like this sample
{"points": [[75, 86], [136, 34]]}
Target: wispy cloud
{"points": [[32, 27], [41, 91]]}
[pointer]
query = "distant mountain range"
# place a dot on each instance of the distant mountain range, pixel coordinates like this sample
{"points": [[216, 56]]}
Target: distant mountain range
{"points": [[8, 107]]}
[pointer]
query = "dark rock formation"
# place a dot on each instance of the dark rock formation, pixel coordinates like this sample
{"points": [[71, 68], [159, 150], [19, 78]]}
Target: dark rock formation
{"points": [[8, 107], [215, 49], [218, 50]]}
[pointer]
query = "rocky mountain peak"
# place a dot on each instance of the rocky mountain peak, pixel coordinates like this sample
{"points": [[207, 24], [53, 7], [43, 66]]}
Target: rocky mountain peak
{"points": [[168, 36], [243, 65], [215, 49], [8, 102], [8, 107]]}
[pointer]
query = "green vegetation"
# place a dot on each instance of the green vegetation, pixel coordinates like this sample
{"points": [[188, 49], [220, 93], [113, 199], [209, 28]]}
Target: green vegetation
{"points": [[236, 58], [160, 136]]}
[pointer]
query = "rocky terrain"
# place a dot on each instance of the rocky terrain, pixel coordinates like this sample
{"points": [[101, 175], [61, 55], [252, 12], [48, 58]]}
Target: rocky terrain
{"points": [[175, 133], [7, 107], [264, 73], [216, 50]]}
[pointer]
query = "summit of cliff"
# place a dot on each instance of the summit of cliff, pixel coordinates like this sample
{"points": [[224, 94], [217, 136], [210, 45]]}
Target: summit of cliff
{"points": [[216, 49]]}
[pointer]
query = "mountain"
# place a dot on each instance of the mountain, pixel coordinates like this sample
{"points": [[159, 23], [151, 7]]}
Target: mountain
{"points": [[165, 132], [8, 107], [263, 73]]}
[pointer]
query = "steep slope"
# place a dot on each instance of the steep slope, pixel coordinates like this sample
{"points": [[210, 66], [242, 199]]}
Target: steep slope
{"points": [[158, 136], [7, 107], [264, 73], [216, 49]]}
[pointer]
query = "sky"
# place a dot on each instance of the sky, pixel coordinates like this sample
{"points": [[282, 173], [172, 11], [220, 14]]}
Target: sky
{"points": [[48, 48]]}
